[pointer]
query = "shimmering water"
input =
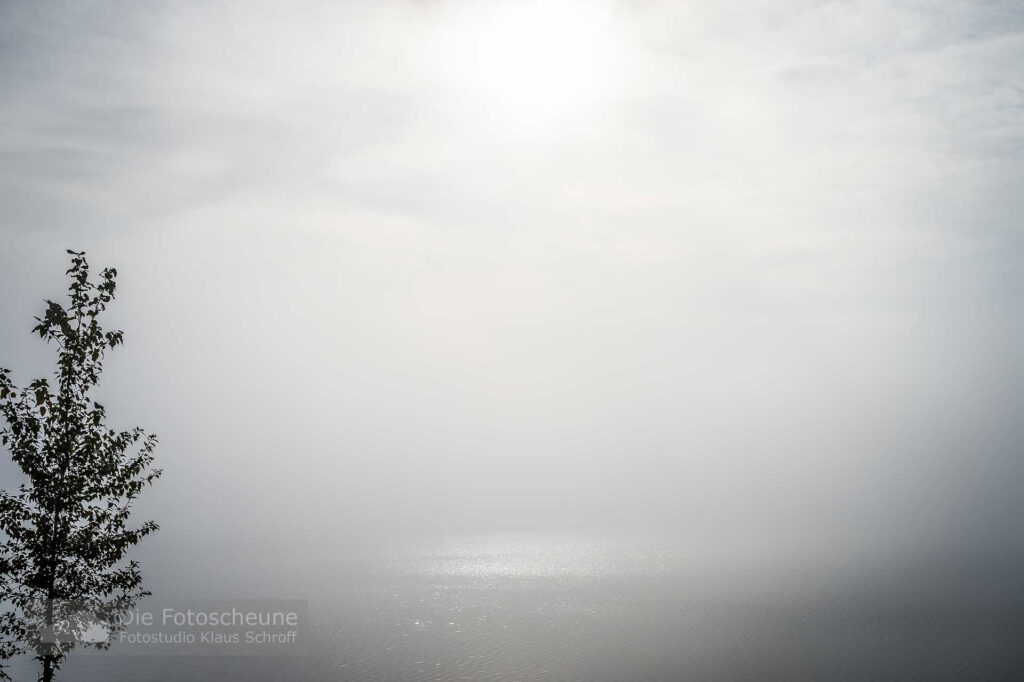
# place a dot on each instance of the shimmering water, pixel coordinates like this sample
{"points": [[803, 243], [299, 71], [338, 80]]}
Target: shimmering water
{"points": [[548, 607]]}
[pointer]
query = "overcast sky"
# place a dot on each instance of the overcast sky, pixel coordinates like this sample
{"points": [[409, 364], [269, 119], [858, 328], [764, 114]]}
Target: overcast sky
{"points": [[719, 269]]}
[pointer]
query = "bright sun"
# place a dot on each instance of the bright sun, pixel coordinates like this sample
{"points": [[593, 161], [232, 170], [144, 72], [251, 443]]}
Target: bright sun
{"points": [[527, 63]]}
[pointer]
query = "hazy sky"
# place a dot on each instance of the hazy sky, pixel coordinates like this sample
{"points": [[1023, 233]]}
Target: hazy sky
{"points": [[720, 269]]}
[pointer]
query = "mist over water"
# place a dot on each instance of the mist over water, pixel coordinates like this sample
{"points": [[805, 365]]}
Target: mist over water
{"points": [[686, 346], [533, 606]]}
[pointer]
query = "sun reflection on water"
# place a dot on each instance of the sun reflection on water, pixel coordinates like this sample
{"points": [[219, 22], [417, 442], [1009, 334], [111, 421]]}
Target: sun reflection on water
{"points": [[532, 555]]}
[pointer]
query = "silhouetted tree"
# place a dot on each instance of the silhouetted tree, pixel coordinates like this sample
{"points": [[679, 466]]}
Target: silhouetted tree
{"points": [[65, 529]]}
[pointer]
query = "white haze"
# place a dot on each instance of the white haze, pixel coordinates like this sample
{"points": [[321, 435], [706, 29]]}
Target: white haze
{"points": [[757, 286]]}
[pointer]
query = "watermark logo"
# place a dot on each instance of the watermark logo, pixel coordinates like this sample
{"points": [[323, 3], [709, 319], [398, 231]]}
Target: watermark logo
{"points": [[261, 627]]}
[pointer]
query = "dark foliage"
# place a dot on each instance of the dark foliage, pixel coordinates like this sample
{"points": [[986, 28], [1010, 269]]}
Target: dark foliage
{"points": [[65, 529]]}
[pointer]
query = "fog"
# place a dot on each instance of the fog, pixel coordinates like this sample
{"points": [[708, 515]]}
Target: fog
{"points": [[744, 278]]}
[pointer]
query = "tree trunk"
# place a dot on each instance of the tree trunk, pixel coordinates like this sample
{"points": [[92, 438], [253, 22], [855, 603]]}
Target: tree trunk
{"points": [[47, 669]]}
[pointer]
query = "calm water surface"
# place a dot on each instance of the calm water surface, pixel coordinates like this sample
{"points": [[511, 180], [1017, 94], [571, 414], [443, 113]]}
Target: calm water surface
{"points": [[547, 607]]}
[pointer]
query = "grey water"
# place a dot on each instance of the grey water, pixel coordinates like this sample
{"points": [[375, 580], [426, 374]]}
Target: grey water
{"points": [[574, 607]]}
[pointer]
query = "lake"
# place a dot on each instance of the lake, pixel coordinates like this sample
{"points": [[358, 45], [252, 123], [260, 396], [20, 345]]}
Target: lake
{"points": [[575, 607]]}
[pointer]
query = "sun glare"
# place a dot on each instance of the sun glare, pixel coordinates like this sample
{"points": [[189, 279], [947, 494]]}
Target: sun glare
{"points": [[527, 64]]}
